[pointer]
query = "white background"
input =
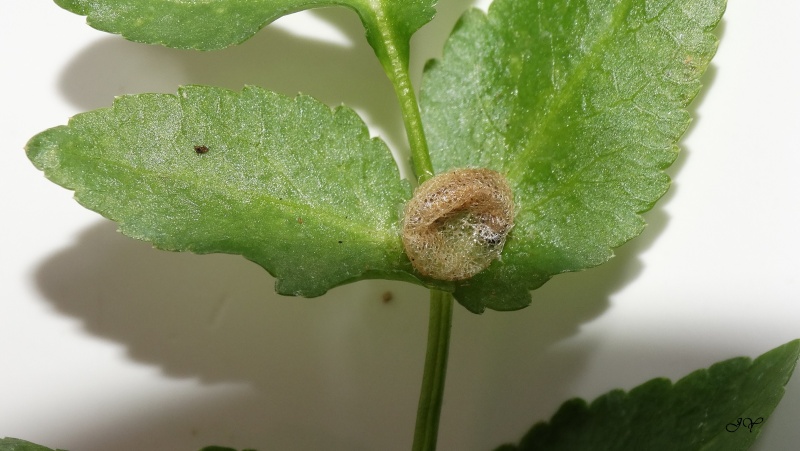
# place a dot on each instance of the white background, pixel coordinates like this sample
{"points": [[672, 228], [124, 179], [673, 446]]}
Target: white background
{"points": [[108, 344]]}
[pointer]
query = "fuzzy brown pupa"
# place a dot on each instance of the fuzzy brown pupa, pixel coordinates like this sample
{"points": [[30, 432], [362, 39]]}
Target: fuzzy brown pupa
{"points": [[456, 223]]}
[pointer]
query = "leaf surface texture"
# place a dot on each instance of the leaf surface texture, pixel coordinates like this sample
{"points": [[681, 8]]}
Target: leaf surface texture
{"points": [[696, 413], [216, 24], [299, 189], [580, 105]]}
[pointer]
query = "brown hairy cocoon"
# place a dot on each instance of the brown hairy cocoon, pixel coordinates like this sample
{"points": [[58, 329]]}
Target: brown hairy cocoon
{"points": [[457, 222]]}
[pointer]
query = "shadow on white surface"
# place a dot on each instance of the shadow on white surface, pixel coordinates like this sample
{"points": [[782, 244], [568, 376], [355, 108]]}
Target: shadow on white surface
{"points": [[313, 367]]}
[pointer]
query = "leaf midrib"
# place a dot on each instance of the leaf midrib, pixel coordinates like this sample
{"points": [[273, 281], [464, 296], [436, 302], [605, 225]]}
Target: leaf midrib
{"points": [[330, 215], [516, 170]]}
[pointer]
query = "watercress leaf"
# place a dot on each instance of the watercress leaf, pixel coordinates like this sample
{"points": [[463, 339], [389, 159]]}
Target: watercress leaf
{"points": [[15, 444], [580, 105], [722, 408], [215, 24], [299, 189]]}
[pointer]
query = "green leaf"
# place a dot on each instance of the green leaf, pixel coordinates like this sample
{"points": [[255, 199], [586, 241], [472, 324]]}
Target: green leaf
{"points": [[580, 105], [215, 24], [722, 408], [299, 189], [15, 444]]}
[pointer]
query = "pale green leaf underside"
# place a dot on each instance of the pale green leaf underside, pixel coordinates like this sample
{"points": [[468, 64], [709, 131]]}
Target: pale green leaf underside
{"points": [[697, 413], [215, 24], [299, 189], [580, 105]]}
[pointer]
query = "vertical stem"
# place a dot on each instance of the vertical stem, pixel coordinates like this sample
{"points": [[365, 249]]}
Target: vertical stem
{"points": [[420, 158], [393, 55], [429, 408], [426, 430], [392, 51]]}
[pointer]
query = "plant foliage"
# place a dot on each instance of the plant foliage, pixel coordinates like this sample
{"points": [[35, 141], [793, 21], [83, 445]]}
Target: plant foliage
{"points": [[722, 408], [580, 105], [299, 189], [15, 444]]}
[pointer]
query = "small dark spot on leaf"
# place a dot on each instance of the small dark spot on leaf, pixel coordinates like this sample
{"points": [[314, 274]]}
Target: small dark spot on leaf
{"points": [[299, 220], [387, 296], [340, 242], [200, 149]]}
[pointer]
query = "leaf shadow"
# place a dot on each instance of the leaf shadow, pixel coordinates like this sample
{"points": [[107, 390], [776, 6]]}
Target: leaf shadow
{"points": [[306, 364], [504, 360], [216, 318]]}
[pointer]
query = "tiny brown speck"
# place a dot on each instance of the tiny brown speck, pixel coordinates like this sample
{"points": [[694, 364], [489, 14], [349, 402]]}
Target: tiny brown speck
{"points": [[200, 149], [386, 296], [299, 220]]}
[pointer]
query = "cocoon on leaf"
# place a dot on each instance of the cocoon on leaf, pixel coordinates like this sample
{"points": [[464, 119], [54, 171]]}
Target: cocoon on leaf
{"points": [[456, 223]]}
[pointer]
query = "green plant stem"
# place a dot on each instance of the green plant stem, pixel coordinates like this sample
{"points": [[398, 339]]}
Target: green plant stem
{"points": [[420, 158], [426, 429], [395, 64], [429, 408]]}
